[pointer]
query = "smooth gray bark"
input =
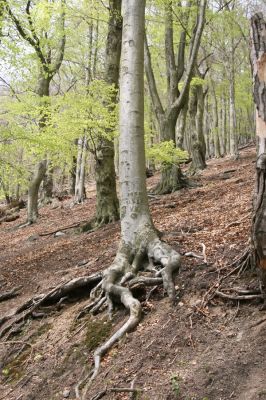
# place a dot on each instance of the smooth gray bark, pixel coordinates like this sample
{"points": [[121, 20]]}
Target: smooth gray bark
{"points": [[139, 240], [80, 171]]}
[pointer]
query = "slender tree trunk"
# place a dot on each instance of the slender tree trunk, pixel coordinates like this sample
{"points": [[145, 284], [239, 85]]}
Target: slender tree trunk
{"points": [[181, 127], [73, 171], [206, 127], [197, 146], [215, 127], [43, 90], [80, 192], [107, 206], [224, 125], [32, 207], [47, 186], [232, 115], [258, 57]]}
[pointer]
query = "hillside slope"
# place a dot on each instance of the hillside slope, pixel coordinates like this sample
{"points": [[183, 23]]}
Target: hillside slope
{"points": [[205, 347]]}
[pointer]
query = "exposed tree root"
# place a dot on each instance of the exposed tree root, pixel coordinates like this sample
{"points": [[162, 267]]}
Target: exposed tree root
{"points": [[116, 284], [27, 309], [10, 294], [124, 271], [172, 179]]}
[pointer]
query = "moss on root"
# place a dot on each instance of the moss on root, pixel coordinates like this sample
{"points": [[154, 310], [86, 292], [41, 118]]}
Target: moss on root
{"points": [[97, 331]]}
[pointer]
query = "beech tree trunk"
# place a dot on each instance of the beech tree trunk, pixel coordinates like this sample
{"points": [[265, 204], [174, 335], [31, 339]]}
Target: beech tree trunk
{"points": [[258, 57], [43, 90], [107, 206], [80, 172], [32, 206], [197, 146], [232, 114], [181, 127]]}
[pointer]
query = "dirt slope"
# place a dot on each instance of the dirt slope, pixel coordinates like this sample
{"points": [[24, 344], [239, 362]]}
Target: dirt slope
{"points": [[202, 348]]}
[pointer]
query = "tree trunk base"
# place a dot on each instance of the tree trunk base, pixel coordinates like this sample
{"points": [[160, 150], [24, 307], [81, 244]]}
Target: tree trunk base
{"points": [[198, 160], [107, 215], [172, 179]]}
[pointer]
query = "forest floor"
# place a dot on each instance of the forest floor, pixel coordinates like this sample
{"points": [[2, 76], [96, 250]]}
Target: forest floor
{"points": [[203, 348]]}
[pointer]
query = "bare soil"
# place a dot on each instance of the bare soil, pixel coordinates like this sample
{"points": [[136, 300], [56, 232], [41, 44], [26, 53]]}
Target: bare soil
{"points": [[203, 348]]}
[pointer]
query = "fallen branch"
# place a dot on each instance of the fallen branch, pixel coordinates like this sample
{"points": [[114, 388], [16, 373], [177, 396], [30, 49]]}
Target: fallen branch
{"points": [[64, 228]]}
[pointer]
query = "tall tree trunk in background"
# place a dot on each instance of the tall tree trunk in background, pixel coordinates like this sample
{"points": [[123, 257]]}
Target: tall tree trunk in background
{"points": [[258, 58], [197, 146], [32, 206], [206, 127], [223, 125], [107, 206], [43, 91], [232, 111], [171, 177], [95, 56], [181, 127], [80, 192], [215, 122]]}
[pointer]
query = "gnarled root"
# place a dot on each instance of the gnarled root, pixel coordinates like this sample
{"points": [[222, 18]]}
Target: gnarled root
{"points": [[115, 284], [163, 262]]}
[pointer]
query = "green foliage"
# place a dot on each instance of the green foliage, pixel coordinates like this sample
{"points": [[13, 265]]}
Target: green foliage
{"points": [[49, 127], [90, 113], [197, 81], [165, 153]]}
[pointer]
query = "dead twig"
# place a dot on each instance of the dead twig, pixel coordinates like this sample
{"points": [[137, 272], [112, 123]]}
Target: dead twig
{"points": [[16, 342], [101, 394], [235, 297], [236, 223]]}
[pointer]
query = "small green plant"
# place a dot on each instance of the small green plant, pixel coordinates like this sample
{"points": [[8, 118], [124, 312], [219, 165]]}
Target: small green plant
{"points": [[175, 385]]}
